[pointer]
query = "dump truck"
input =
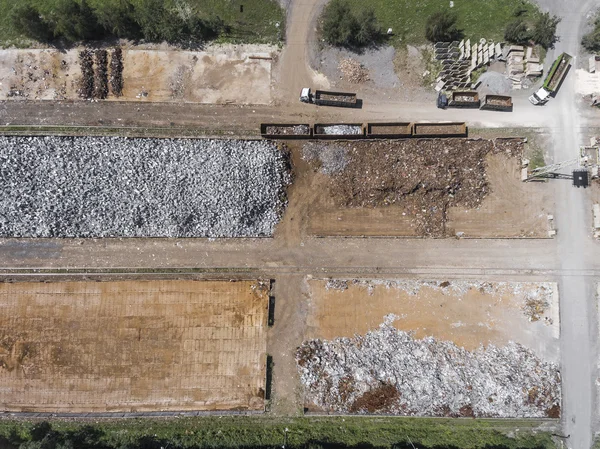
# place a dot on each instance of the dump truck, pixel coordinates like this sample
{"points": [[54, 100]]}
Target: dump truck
{"points": [[553, 80], [497, 103], [325, 98]]}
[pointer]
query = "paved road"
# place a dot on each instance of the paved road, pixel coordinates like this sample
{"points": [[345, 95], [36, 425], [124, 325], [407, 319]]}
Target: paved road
{"points": [[573, 219]]}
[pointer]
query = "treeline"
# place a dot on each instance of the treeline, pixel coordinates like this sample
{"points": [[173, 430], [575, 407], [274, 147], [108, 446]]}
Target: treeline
{"points": [[151, 20]]}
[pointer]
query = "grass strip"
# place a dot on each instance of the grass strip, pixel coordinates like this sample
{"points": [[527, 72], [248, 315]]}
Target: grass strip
{"points": [[300, 432]]}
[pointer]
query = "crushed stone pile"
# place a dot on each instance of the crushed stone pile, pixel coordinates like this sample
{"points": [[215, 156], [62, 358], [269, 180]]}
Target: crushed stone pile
{"points": [[120, 187], [288, 130], [341, 130], [332, 158], [353, 71], [426, 176], [388, 371]]}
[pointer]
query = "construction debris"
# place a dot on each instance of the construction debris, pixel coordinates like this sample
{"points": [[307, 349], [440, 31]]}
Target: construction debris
{"points": [[116, 72], [275, 130], [426, 176], [86, 86], [101, 74], [342, 130], [389, 371], [353, 71], [120, 187], [332, 158]]}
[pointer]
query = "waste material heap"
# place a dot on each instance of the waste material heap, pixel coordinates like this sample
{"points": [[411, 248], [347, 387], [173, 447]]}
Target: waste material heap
{"points": [[120, 187]]}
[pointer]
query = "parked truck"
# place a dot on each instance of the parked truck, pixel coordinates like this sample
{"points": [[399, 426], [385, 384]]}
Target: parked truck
{"points": [[553, 80], [325, 98]]}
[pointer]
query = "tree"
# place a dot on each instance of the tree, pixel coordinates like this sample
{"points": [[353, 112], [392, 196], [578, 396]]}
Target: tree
{"points": [[591, 41], [544, 30], [27, 20], [117, 18], [75, 21], [340, 27], [517, 32], [441, 27], [369, 30]]}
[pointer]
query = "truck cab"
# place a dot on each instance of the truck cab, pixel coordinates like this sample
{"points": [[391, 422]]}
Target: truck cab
{"points": [[305, 95], [540, 97]]}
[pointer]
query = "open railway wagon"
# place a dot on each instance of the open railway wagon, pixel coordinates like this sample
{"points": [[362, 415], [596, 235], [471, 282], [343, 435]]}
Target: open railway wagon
{"points": [[461, 99], [339, 131], [390, 130], [441, 129], [285, 131], [497, 103]]}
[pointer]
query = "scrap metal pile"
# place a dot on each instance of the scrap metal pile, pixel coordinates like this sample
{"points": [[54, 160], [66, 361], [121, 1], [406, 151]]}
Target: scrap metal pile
{"points": [[119, 187], [94, 73], [425, 177], [389, 371]]}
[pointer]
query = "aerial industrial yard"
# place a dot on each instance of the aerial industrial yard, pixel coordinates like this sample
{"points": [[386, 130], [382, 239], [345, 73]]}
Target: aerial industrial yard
{"points": [[280, 227]]}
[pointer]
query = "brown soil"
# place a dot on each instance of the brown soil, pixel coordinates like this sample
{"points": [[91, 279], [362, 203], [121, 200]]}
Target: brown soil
{"points": [[465, 315], [377, 400], [439, 129], [133, 345]]}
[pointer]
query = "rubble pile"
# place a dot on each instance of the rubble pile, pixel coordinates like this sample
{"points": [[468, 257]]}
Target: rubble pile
{"points": [[101, 74], [288, 130], [332, 158], [86, 86], [426, 176], [353, 71], [388, 371], [116, 72], [178, 81], [341, 130], [120, 187]]}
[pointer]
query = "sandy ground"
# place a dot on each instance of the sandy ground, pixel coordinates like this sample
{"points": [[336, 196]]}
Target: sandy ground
{"points": [[132, 346], [467, 313], [219, 75]]}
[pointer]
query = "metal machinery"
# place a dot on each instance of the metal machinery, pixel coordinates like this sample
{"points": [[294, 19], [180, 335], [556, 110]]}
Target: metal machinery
{"points": [[586, 170]]}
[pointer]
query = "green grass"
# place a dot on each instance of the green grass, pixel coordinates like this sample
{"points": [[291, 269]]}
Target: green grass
{"points": [[476, 18], [268, 431], [256, 24]]}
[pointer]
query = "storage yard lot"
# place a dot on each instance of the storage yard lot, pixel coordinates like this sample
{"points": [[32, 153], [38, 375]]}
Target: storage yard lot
{"points": [[148, 75], [435, 348], [133, 345], [118, 187], [420, 188]]}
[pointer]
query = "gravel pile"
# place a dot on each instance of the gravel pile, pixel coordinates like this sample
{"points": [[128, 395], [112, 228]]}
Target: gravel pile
{"points": [[388, 371], [495, 83], [332, 158], [119, 187], [342, 130]]}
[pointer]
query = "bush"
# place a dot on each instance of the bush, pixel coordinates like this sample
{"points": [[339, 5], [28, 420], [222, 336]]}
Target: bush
{"points": [[517, 32], [75, 20], [340, 27], [544, 30], [441, 27], [591, 41], [27, 21]]}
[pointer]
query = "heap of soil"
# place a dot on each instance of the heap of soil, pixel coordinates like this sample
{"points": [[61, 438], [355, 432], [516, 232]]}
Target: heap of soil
{"points": [[424, 176]]}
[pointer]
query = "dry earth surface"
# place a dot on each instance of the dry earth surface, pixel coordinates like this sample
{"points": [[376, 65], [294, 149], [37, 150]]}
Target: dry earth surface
{"points": [[133, 345], [217, 75]]}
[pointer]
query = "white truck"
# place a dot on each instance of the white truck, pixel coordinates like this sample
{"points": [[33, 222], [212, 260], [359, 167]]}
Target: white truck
{"points": [[553, 80]]}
